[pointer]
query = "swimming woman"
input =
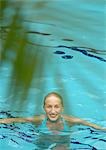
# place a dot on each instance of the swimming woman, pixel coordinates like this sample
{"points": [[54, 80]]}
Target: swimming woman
{"points": [[54, 123], [53, 119]]}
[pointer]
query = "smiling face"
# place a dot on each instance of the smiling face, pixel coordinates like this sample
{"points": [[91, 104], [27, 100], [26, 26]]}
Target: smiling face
{"points": [[53, 107]]}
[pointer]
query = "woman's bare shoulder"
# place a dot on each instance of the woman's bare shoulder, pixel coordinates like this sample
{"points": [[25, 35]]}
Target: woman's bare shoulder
{"points": [[37, 118], [69, 118]]}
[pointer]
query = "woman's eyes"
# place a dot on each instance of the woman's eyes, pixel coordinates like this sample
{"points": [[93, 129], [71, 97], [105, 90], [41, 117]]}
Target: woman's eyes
{"points": [[56, 106], [48, 106]]}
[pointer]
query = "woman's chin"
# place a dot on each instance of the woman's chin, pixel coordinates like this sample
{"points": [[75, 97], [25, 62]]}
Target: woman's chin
{"points": [[53, 119]]}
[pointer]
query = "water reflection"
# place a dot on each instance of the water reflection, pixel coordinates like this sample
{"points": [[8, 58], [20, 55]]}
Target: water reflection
{"points": [[28, 42], [54, 141]]}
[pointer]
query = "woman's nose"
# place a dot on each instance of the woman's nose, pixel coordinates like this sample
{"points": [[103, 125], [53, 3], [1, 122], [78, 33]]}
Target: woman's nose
{"points": [[53, 109]]}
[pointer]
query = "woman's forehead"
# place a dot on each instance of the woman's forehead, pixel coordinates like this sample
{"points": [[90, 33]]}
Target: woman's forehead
{"points": [[53, 99]]}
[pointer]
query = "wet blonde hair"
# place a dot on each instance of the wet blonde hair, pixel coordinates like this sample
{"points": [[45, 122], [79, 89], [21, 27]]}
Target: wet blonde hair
{"points": [[55, 94]]}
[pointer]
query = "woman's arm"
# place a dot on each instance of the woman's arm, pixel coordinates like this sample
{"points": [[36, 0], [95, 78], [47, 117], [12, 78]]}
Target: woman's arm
{"points": [[15, 120], [75, 121], [86, 123], [35, 119]]}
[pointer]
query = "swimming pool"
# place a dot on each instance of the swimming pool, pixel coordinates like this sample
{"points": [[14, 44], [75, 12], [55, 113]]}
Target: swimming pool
{"points": [[73, 62], [25, 136]]}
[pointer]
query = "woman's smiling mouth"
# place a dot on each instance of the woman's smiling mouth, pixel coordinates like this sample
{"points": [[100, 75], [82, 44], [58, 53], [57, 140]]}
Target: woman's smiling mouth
{"points": [[53, 116]]}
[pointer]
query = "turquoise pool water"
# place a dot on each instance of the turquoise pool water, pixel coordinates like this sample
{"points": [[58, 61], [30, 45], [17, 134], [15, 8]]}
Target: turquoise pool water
{"points": [[26, 136], [73, 60]]}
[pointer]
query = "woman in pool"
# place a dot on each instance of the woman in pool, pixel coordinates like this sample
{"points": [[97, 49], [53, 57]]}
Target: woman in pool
{"points": [[53, 120], [53, 123]]}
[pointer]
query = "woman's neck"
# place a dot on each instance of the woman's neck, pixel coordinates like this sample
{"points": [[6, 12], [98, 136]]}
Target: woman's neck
{"points": [[55, 125]]}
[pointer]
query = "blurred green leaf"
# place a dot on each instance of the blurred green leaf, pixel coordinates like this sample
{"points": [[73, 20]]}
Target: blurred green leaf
{"points": [[15, 50]]}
